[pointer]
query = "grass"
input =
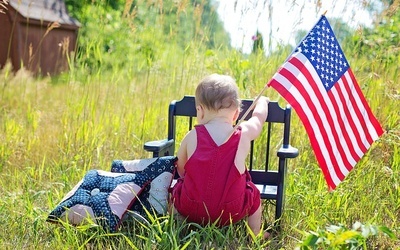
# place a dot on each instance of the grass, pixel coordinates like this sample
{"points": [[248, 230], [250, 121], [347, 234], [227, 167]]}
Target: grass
{"points": [[53, 130], [51, 134]]}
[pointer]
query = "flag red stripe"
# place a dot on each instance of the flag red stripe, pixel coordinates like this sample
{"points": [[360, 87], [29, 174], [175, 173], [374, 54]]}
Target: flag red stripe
{"points": [[318, 108], [374, 122], [349, 116], [346, 125], [347, 161], [324, 160], [361, 126], [303, 117], [319, 84], [330, 128]]}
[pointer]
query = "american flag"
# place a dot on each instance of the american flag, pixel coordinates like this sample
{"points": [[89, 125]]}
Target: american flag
{"points": [[319, 84]]}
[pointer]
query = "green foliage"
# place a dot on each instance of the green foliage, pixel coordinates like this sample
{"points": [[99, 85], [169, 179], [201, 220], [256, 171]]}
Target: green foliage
{"points": [[107, 51], [380, 43], [133, 35], [340, 237], [76, 8]]}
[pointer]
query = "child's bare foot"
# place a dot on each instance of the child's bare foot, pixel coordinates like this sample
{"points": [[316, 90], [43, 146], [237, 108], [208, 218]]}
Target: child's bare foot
{"points": [[266, 235]]}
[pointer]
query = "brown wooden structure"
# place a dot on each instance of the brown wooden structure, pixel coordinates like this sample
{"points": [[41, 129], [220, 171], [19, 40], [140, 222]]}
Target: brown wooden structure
{"points": [[38, 35]]}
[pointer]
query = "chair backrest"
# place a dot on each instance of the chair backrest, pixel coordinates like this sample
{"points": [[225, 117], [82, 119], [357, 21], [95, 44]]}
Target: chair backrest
{"points": [[276, 115], [268, 154]]}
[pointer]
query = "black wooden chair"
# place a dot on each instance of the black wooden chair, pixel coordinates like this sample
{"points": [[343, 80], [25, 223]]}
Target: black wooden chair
{"points": [[269, 179]]}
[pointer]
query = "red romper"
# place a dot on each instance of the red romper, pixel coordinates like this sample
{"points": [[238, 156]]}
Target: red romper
{"points": [[212, 188]]}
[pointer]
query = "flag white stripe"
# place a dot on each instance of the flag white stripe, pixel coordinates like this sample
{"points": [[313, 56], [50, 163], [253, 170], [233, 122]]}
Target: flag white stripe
{"points": [[345, 120], [332, 113], [359, 129], [361, 107], [310, 117], [337, 118], [327, 127]]}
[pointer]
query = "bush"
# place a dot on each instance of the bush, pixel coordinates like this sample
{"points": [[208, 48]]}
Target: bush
{"points": [[340, 237]]}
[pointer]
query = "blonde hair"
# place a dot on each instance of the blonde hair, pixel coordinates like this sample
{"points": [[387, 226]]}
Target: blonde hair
{"points": [[217, 92]]}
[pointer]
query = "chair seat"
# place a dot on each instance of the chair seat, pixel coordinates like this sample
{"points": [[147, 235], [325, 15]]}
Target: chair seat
{"points": [[267, 191]]}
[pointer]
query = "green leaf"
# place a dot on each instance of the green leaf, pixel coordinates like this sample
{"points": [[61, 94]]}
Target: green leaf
{"points": [[186, 244], [388, 232], [311, 240]]}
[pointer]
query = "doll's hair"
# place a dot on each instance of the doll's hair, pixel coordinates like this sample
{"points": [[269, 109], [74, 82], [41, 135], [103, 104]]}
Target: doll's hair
{"points": [[217, 92]]}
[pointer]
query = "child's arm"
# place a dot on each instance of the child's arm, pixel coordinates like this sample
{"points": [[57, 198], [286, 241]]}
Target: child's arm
{"points": [[182, 157], [186, 146], [253, 127]]}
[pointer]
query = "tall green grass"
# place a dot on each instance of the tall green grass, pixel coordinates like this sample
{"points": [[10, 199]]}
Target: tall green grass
{"points": [[53, 130]]}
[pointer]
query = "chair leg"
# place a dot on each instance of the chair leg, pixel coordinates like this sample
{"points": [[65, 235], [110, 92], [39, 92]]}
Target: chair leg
{"points": [[278, 211]]}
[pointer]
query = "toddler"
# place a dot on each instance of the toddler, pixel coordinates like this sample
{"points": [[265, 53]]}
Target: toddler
{"points": [[214, 184]]}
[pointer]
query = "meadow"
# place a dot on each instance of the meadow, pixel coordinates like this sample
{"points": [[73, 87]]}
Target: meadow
{"points": [[54, 129]]}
